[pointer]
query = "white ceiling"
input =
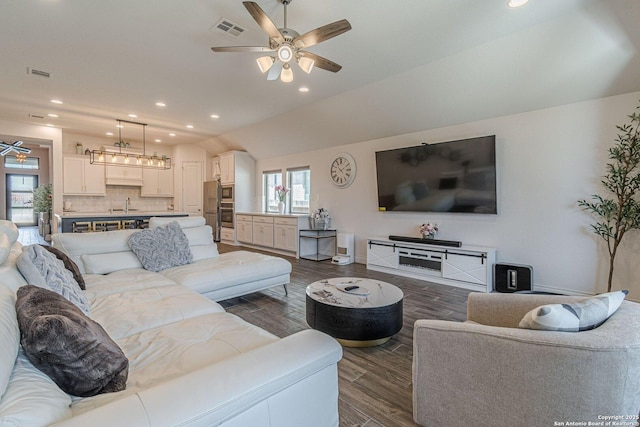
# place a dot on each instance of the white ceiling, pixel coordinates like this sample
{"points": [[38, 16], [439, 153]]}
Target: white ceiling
{"points": [[408, 65]]}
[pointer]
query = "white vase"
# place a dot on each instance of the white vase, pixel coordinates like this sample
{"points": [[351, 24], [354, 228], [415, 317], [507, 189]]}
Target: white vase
{"points": [[281, 208]]}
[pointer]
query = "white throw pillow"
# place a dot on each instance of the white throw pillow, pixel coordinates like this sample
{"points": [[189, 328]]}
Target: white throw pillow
{"points": [[583, 315]]}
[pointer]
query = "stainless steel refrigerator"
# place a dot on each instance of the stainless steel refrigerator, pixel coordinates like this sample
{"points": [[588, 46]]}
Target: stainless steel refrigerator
{"points": [[212, 194]]}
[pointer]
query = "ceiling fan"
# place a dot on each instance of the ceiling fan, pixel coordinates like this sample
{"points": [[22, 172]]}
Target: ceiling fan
{"points": [[286, 45]]}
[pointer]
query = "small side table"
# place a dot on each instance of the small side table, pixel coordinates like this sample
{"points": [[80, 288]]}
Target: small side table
{"points": [[317, 245]]}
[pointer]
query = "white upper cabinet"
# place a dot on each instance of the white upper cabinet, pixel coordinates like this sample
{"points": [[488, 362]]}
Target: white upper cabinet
{"points": [[80, 177], [157, 183]]}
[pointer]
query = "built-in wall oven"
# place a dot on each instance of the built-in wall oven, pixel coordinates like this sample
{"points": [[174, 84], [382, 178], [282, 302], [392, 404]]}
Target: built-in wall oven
{"points": [[227, 193], [226, 214]]}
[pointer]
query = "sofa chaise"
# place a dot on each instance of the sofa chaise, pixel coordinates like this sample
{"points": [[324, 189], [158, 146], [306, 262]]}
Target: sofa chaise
{"points": [[189, 362]]}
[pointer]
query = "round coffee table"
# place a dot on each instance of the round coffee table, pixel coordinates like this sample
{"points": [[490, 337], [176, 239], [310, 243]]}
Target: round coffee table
{"points": [[365, 316]]}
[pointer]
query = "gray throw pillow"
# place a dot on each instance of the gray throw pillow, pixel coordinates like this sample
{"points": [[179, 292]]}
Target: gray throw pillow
{"points": [[68, 264], [583, 315], [41, 268], [161, 247], [72, 349]]}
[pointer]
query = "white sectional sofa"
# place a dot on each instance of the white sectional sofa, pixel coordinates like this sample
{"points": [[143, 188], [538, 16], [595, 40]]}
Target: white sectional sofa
{"points": [[190, 362], [215, 276]]}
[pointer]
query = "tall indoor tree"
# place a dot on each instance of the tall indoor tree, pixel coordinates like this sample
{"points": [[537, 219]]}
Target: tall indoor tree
{"points": [[619, 211]]}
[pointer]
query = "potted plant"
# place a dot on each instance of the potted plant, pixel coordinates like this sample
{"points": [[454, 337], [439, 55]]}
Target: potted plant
{"points": [[619, 211], [42, 205]]}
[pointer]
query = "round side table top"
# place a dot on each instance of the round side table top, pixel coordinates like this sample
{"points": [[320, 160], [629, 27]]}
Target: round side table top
{"points": [[368, 293]]}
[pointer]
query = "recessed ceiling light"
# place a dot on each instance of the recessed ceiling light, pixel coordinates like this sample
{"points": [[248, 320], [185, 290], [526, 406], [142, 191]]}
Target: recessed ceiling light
{"points": [[157, 140], [109, 133], [133, 116], [172, 134], [56, 101], [49, 124], [160, 104], [303, 89], [120, 126], [189, 126], [52, 115], [516, 3], [215, 116]]}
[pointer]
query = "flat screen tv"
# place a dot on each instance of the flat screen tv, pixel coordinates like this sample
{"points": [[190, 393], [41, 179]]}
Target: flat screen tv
{"points": [[454, 176]]}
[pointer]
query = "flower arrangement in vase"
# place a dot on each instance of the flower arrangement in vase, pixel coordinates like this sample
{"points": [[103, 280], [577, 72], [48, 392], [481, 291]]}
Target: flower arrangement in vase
{"points": [[320, 219], [281, 193], [428, 230]]}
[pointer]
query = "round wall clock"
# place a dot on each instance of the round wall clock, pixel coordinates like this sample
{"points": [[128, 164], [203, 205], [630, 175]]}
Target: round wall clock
{"points": [[342, 170]]}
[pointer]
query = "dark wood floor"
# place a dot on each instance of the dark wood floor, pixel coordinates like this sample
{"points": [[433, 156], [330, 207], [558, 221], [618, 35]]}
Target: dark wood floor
{"points": [[375, 383]]}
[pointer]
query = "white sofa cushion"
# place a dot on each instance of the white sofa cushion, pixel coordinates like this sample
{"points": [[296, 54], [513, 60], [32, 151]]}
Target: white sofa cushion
{"points": [[5, 247], [230, 269], [77, 244], [184, 221], [108, 263], [10, 229], [131, 312], [9, 335], [9, 274], [31, 388]]}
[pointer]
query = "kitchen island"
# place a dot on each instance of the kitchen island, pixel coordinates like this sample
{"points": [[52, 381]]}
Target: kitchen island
{"points": [[82, 222]]}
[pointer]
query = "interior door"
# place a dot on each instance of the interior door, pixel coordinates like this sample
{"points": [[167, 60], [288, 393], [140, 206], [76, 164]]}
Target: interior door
{"points": [[192, 191], [20, 198]]}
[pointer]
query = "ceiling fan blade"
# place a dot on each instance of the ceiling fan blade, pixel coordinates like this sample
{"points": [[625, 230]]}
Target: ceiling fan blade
{"points": [[321, 34], [242, 49], [274, 71], [264, 21], [321, 62]]}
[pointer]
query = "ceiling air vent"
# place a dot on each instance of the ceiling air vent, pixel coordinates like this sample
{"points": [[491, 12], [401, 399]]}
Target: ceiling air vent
{"points": [[36, 116], [229, 27], [34, 72]]}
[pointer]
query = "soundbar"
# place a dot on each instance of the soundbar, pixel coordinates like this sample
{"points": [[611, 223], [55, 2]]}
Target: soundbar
{"points": [[452, 243]]}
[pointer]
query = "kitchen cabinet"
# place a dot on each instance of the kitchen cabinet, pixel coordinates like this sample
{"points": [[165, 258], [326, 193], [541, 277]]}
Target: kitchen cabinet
{"points": [[263, 231], [285, 234], [244, 228], [81, 178], [226, 162], [157, 183], [123, 175], [277, 233]]}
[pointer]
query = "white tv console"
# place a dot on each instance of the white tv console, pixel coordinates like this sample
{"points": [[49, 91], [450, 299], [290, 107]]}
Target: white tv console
{"points": [[469, 267]]}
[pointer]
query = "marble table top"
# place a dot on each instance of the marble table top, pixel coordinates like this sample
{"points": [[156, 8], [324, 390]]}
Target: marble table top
{"points": [[370, 293]]}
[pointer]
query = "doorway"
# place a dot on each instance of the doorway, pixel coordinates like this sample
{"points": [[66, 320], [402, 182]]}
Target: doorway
{"points": [[19, 199]]}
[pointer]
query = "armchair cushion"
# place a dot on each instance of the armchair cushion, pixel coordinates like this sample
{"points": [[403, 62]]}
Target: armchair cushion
{"points": [[574, 317]]}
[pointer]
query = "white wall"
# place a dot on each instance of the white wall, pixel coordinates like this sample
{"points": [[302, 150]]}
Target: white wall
{"points": [[547, 160]]}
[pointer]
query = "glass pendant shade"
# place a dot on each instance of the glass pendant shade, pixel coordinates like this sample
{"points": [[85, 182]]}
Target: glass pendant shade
{"points": [[287, 74], [265, 63], [306, 64]]}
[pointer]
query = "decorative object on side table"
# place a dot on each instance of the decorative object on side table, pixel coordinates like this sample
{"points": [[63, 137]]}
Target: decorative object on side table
{"points": [[428, 230], [621, 212], [42, 205], [281, 193], [320, 219]]}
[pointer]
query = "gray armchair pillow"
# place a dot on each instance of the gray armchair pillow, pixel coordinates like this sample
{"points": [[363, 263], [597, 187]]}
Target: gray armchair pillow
{"points": [[72, 349]]}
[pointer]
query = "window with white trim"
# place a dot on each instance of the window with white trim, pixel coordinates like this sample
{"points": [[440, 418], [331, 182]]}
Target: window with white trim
{"points": [[270, 179], [299, 181]]}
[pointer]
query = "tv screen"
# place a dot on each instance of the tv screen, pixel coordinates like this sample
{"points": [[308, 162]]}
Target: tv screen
{"points": [[454, 176]]}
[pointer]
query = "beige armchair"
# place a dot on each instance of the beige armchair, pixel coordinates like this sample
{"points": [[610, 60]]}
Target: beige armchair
{"points": [[487, 372]]}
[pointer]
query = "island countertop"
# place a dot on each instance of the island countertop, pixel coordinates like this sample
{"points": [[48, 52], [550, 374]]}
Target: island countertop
{"points": [[120, 214]]}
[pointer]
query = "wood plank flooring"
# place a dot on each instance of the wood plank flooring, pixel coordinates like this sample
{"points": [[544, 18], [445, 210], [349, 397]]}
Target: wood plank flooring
{"points": [[375, 383]]}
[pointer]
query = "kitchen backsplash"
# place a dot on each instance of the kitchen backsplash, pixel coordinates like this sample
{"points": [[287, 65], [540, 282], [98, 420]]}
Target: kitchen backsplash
{"points": [[116, 199]]}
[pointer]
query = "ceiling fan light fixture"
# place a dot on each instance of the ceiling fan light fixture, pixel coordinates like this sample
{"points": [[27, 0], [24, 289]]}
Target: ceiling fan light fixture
{"points": [[287, 74], [306, 64], [285, 53], [265, 63]]}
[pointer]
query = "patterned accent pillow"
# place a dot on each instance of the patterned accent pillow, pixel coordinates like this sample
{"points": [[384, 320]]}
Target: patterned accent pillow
{"points": [[68, 264], [41, 268], [72, 349], [579, 316], [161, 247]]}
